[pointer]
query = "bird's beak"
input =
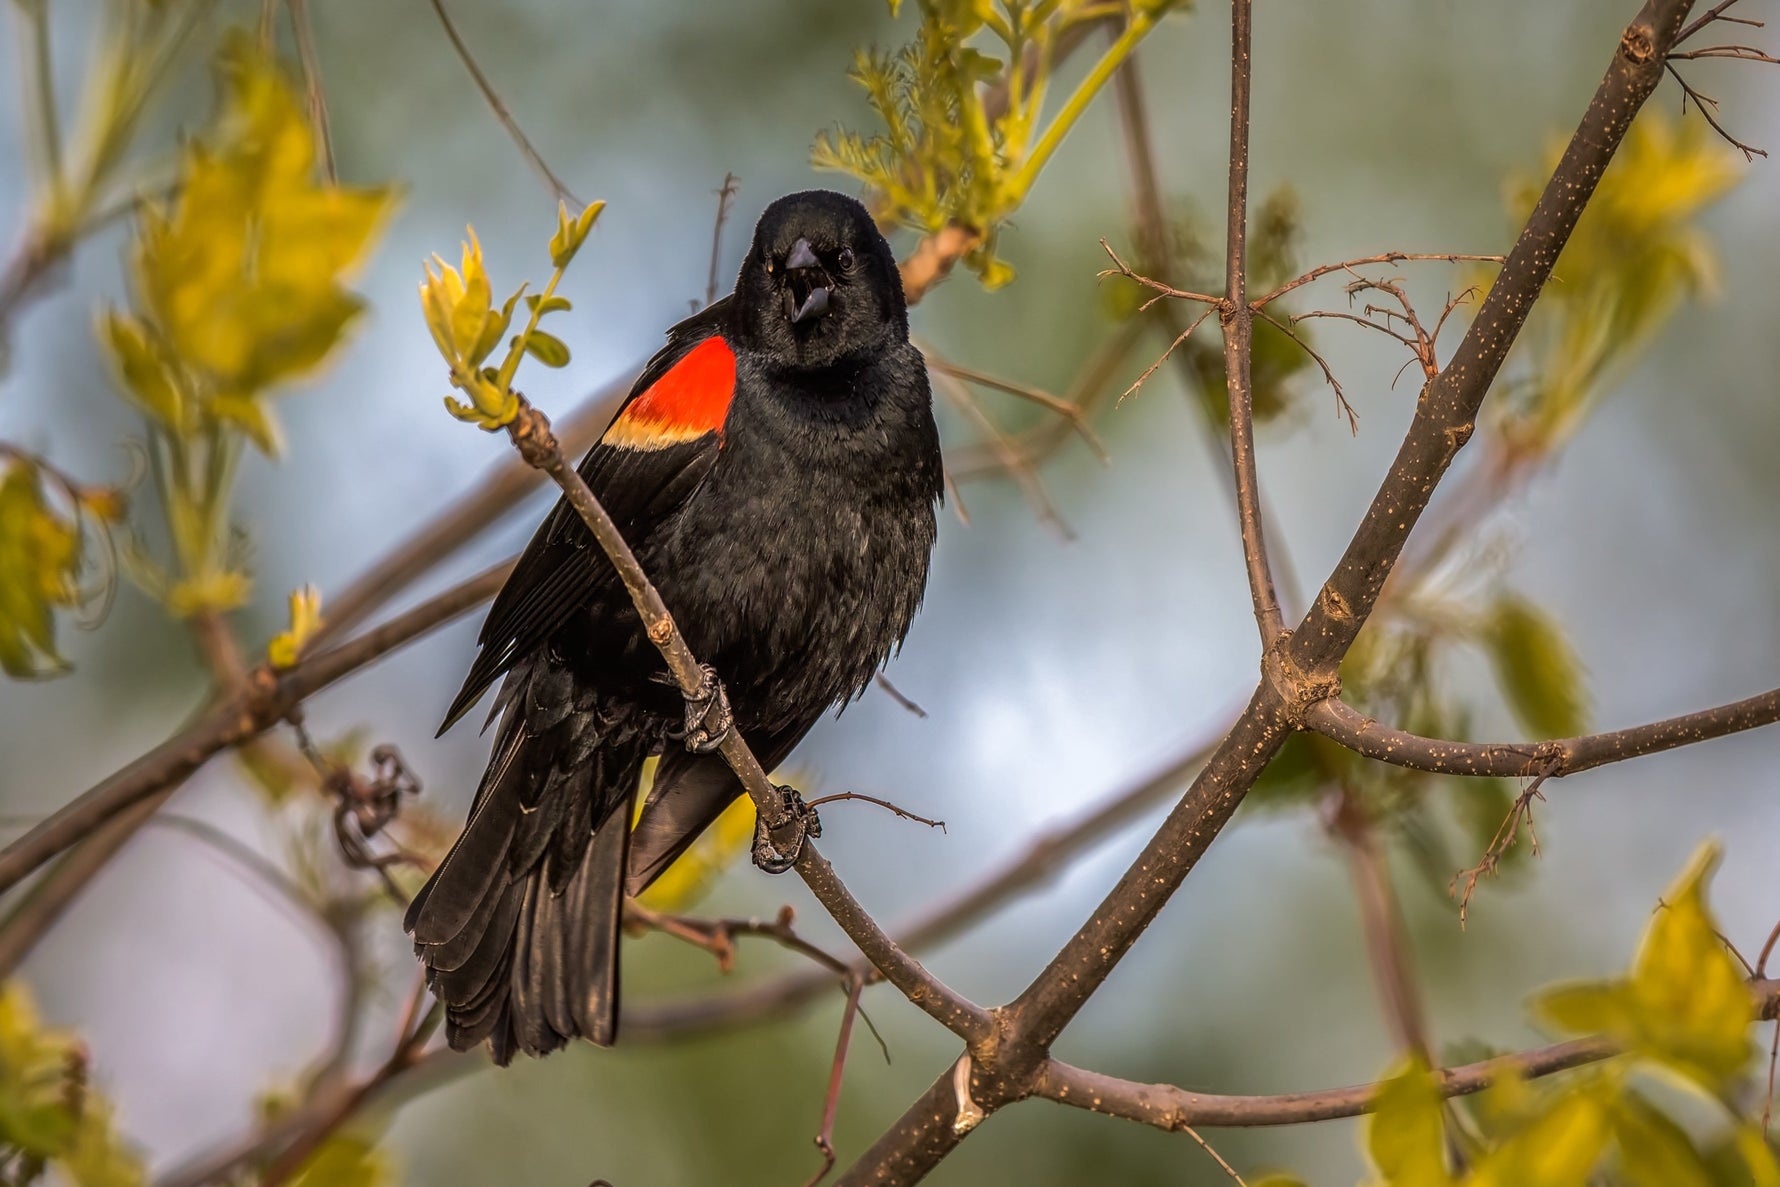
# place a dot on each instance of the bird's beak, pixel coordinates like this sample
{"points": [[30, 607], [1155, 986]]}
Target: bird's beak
{"points": [[802, 256], [807, 283]]}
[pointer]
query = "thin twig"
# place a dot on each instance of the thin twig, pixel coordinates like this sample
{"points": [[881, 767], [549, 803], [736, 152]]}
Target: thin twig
{"points": [[533, 157], [1708, 107], [725, 193], [1342, 407], [317, 98], [1071, 414], [1389, 257], [842, 796], [1237, 321]]}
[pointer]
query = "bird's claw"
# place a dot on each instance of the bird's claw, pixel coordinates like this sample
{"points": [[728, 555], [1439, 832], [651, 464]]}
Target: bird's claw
{"points": [[777, 849], [708, 717]]}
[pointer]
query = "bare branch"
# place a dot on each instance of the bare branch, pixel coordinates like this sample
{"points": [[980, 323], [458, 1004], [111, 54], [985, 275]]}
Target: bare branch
{"points": [[1341, 405], [1389, 257], [1071, 414], [1339, 722], [1303, 671], [1167, 1107], [725, 193], [267, 698], [532, 156], [1237, 320]]}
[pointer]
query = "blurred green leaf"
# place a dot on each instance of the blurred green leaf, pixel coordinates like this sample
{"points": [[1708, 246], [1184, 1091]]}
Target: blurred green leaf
{"points": [[347, 1160], [1653, 1150], [1405, 1138], [40, 550], [1540, 676], [48, 1110], [1744, 1159], [1559, 1149]]}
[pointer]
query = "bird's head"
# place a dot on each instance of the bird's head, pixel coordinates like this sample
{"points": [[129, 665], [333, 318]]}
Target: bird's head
{"points": [[819, 286]]}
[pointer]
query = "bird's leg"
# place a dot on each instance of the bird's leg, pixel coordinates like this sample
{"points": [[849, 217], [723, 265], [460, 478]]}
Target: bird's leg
{"points": [[776, 849], [708, 719]]}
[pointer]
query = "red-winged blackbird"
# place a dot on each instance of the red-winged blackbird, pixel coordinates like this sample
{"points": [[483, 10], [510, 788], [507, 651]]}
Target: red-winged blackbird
{"points": [[776, 470]]}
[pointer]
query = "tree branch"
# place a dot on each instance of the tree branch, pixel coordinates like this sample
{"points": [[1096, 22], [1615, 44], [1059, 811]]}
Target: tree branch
{"points": [[1302, 672], [1168, 1107], [1339, 722], [1237, 320], [267, 698]]}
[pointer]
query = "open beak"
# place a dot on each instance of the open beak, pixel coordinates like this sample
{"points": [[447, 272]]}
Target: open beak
{"points": [[807, 283]]}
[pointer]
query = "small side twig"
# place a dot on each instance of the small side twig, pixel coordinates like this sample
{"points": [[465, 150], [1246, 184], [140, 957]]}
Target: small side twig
{"points": [[1342, 407], [841, 796], [725, 194], [532, 155], [896, 694], [1506, 834]]}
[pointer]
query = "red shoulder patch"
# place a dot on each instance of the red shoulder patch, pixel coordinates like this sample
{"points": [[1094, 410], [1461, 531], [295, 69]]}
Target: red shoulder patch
{"points": [[692, 399]]}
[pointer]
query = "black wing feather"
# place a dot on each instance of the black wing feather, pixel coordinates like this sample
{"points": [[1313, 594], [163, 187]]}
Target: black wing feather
{"points": [[562, 568]]}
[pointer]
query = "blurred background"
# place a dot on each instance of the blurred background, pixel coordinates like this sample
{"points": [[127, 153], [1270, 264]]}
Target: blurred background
{"points": [[1056, 667]]}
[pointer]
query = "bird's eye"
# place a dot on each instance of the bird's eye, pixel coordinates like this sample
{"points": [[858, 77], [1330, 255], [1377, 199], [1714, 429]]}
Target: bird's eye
{"points": [[845, 259]]}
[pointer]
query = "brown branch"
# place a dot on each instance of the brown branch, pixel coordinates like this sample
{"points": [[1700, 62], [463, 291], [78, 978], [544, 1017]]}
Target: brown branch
{"points": [[1168, 1107], [1708, 107], [532, 156], [1042, 859], [1342, 407], [1339, 722], [1387, 939], [725, 193], [530, 432], [1389, 257], [1165, 1106], [1090, 387], [267, 698], [1237, 320], [1008, 456], [1071, 413], [1304, 670]]}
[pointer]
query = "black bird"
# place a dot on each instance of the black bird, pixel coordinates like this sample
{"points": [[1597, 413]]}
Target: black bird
{"points": [[776, 469]]}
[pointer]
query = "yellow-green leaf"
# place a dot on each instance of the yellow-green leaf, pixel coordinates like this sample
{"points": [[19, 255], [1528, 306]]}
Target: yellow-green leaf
{"points": [[1540, 676], [1560, 1149], [1654, 1151], [1693, 1008], [305, 619], [142, 370], [40, 553], [1685, 1004], [249, 414], [346, 1160], [541, 304], [1405, 1137], [571, 233], [547, 349]]}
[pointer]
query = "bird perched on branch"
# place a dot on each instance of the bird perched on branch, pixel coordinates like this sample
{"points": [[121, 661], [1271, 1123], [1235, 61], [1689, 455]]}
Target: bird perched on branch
{"points": [[776, 470]]}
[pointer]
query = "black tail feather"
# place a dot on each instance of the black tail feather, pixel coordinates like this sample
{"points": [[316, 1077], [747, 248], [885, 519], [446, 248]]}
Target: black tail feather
{"points": [[519, 926]]}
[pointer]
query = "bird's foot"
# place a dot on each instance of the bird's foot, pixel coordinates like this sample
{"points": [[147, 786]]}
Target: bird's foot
{"points": [[776, 849], [708, 718]]}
